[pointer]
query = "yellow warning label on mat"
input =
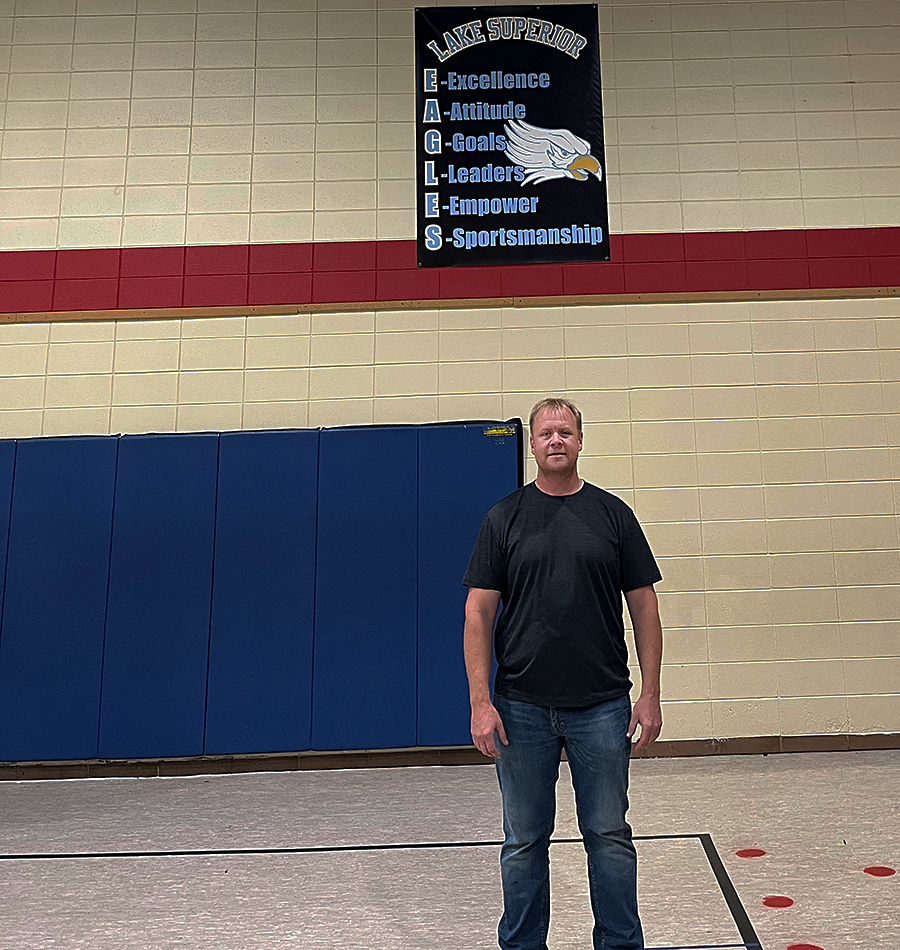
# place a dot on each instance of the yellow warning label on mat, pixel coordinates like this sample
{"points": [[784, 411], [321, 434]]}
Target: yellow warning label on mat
{"points": [[499, 430]]}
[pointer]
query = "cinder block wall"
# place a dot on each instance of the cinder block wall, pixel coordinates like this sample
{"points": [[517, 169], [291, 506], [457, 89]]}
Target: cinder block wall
{"points": [[759, 442]]}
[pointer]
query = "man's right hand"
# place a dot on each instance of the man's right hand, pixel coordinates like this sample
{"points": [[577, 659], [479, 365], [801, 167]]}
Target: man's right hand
{"points": [[485, 722]]}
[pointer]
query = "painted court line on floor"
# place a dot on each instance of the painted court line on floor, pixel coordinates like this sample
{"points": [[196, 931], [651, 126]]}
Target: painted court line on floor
{"points": [[709, 946], [309, 849], [735, 906]]}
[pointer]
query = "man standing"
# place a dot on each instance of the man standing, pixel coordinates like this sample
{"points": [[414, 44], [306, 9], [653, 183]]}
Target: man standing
{"points": [[559, 553]]}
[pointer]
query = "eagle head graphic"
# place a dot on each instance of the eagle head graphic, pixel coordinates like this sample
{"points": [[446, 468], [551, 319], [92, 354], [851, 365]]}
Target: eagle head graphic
{"points": [[549, 153]]}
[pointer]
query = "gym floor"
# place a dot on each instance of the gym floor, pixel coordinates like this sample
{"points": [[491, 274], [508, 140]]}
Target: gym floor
{"points": [[406, 858]]}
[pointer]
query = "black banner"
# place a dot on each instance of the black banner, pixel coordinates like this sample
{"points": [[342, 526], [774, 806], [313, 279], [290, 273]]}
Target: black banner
{"points": [[509, 151]]}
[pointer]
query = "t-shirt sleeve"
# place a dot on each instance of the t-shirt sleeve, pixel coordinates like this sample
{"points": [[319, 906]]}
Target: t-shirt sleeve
{"points": [[637, 566], [487, 567]]}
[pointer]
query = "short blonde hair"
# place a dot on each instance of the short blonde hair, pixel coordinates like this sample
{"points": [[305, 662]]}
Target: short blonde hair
{"points": [[558, 404]]}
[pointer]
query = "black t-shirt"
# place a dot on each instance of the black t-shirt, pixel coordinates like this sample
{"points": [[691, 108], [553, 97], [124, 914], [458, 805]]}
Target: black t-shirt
{"points": [[561, 563]]}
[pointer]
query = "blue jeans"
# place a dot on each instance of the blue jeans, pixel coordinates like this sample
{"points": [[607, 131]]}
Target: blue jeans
{"points": [[598, 750]]}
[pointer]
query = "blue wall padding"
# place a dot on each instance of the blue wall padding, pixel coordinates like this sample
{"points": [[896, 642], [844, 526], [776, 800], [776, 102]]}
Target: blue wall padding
{"points": [[260, 658], [7, 464], [462, 473], [51, 646], [157, 633], [364, 672], [179, 595]]}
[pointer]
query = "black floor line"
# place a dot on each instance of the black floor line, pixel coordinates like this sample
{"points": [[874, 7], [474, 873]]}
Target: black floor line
{"points": [[738, 912], [311, 849], [707, 946]]}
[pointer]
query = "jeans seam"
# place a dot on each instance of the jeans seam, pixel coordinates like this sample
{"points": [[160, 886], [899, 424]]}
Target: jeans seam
{"points": [[545, 923], [595, 899]]}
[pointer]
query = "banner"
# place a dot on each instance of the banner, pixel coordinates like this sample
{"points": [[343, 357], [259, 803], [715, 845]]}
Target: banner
{"points": [[509, 151]]}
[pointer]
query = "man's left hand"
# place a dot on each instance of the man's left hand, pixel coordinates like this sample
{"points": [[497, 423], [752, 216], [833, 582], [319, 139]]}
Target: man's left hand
{"points": [[648, 715]]}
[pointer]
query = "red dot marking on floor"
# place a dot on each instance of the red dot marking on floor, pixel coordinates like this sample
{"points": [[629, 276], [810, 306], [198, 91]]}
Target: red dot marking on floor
{"points": [[804, 946], [775, 901], [750, 853], [877, 871]]}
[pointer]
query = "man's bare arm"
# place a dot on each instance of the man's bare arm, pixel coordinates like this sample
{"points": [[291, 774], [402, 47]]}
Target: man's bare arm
{"points": [[481, 611], [644, 609]]}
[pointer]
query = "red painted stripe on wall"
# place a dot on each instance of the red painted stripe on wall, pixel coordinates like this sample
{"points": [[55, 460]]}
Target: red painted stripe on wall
{"points": [[385, 271]]}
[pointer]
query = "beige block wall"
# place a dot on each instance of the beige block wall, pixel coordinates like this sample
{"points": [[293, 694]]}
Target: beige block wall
{"points": [[759, 444], [151, 122]]}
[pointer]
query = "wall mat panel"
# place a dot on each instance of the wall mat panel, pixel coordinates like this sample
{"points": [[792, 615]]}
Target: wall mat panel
{"points": [[364, 668], [260, 655], [462, 473], [55, 606], [157, 634], [7, 464]]}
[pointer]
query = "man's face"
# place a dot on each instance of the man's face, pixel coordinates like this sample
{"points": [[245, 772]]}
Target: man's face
{"points": [[555, 441]]}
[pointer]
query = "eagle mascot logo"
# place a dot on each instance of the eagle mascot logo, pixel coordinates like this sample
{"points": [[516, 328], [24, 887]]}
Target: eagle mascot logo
{"points": [[550, 153]]}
